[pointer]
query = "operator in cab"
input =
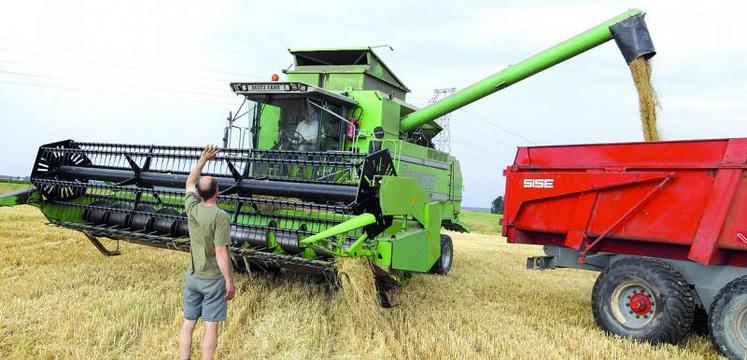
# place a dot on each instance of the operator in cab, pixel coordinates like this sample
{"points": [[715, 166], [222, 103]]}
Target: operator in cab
{"points": [[308, 131]]}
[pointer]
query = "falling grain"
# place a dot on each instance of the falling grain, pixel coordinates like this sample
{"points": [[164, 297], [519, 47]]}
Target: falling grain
{"points": [[640, 68]]}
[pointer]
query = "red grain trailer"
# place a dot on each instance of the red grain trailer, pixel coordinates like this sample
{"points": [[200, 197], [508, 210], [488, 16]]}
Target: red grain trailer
{"points": [[665, 223]]}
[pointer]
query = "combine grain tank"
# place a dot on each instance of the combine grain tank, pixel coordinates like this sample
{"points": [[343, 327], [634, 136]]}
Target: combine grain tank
{"points": [[665, 223], [334, 162]]}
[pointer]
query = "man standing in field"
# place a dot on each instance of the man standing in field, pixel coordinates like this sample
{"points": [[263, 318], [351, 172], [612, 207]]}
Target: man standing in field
{"points": [[208, 280]]}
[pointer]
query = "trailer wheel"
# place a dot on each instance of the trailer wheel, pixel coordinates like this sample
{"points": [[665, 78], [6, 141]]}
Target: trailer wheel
{"points": [[644, 299], [727, 320], [443, 264]]}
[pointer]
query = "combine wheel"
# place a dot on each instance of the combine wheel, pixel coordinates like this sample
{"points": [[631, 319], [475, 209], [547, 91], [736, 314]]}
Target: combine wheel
{"points": [[443, 264], [727, 320], [644, 299]]}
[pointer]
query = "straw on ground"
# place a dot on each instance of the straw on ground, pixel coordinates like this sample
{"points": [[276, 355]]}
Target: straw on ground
{"points": [[62, 299]]}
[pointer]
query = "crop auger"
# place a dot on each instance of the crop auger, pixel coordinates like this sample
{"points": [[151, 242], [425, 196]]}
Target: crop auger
{"points": [[333, 163]]}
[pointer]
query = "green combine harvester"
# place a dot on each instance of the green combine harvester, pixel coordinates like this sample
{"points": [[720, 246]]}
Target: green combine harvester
{"points": [[337, 164]]}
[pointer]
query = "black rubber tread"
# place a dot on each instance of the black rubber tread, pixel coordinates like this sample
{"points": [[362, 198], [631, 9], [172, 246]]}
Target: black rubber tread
{"points": [[438, 267], [673, 299], [719, 310]]}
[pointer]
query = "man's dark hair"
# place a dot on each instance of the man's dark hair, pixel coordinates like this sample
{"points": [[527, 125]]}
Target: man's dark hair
{"points": [[210, 190]]}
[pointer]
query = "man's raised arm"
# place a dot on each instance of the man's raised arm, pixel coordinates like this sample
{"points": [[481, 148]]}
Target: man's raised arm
{"points": [[208, 154]]}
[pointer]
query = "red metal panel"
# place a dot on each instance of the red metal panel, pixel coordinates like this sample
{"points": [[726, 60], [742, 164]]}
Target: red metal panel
{"points": [[580, 220], [550, 209], [665, 154], [572, 195], [682, 198], [704, 248], [734, 234]]}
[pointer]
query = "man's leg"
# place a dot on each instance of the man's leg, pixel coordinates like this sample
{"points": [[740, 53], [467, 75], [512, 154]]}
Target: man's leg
{"points": [[214, 308], [210, 340], [192, 311], [185, 339]]}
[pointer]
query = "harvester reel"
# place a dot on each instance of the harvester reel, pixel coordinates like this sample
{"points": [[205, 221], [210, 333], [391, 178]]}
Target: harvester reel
{"points": [[49, 160]]}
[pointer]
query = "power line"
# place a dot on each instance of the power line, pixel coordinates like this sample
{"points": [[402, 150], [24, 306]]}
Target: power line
{"points": [[107, 83], [236, 53], [110, 92], [498, 126], [128, 77], [481, 160], [478, 153], [135, 68], [45, 46]]}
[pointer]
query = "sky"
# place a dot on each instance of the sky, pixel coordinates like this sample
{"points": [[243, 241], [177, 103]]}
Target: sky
{"points": [[157, 72]]}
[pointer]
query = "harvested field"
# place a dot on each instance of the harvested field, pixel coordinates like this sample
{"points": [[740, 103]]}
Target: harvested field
{"points": [[12, 186], [62, 299], [482, 222]]}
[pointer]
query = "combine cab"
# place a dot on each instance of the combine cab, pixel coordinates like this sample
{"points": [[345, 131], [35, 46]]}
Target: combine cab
{"points": [[331, 163]]}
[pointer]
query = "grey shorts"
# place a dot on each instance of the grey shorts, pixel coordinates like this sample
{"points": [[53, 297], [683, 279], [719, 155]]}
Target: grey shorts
{"points": [[205, 298]]}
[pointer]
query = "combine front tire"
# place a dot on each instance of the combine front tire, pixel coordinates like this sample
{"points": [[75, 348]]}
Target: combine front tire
{"points": [[644, 299], [443, 264], [727, 320]]}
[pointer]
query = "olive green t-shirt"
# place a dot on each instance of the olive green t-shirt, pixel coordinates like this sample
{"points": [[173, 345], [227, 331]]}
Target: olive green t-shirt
{"points": [[209, 226]]}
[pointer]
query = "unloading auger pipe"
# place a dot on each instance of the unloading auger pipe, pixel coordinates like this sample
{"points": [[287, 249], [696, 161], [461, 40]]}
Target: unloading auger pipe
{"points": [[628, 29], [246, 187]]}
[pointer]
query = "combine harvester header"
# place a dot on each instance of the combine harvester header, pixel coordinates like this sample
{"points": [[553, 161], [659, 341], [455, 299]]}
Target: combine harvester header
{"points": [[336, 164]]}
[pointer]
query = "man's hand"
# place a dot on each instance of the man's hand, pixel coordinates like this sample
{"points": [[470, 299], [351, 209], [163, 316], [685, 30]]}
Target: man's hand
{"points": [[223, 258], [230, 290], [209, 153]]}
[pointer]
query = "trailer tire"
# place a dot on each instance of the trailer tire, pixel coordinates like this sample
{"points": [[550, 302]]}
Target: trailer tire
{"points": [[644, 299], [727, 320], [445, 260]]}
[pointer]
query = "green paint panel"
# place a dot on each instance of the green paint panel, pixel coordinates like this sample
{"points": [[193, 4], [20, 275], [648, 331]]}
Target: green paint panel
{"points": [[413, 251], [307, 78], [383, 257], [401, 195]]}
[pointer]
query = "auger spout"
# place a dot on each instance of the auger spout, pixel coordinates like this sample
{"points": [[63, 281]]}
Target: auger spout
{"points": [[628, 29]]}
